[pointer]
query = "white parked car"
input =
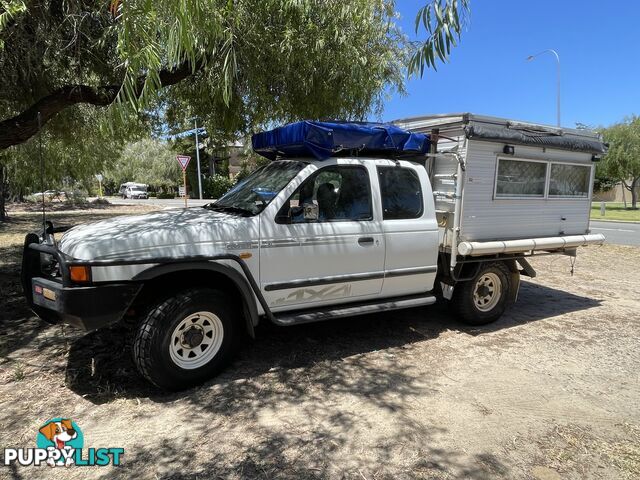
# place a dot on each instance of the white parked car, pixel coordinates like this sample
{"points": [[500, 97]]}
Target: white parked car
{"points": [[51, 195], [344, 222], [133, 190], [136, 192]]}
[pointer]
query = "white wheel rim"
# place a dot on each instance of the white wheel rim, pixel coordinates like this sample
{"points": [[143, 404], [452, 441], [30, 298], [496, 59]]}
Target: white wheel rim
{"points": [[196, 340], [487, 292]]}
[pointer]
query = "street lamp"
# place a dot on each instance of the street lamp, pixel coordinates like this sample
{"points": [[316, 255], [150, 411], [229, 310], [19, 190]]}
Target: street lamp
{"points": [[195, 124], [531, 57]]}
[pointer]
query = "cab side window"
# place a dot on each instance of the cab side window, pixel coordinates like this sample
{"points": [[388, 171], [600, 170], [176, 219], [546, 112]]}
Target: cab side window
{"points": [[401, 193], [341, 193]]}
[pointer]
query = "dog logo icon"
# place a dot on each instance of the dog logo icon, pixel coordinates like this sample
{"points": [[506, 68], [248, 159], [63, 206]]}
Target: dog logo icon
{"points": [[62, 434], [59, 442]]}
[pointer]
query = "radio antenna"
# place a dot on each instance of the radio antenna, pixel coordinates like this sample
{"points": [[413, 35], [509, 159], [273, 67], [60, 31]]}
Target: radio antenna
{"points": [[44, 218]]}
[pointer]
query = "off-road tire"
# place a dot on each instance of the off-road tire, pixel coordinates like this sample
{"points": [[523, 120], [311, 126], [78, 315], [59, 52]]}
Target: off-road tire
{"points": [[464, 304], [152, 339]]}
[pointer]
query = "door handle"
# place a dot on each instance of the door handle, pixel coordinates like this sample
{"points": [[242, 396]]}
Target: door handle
{"points": [[365, 241]]}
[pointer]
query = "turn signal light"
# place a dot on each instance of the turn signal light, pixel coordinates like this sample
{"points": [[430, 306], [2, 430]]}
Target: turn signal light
{"points": [[80, 273]]}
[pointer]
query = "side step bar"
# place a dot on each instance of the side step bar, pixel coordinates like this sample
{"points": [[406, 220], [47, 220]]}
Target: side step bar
{"points": [[351, 310]]}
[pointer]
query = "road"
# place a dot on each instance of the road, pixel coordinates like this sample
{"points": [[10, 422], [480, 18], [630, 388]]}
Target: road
{"points": [[619, 233], [165, 202]]}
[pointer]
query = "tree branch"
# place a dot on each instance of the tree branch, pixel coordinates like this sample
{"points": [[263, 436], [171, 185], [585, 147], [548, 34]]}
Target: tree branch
{"points": [[23, 126]]}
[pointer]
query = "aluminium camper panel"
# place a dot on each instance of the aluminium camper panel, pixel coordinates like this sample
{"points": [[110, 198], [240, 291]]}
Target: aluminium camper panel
{"points": [[488, 216]]}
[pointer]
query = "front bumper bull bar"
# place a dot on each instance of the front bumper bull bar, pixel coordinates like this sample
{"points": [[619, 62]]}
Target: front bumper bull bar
{"points": [[56, 299]]}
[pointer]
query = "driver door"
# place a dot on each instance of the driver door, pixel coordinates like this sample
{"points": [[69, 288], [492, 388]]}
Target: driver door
{"points": [[336, 257]]}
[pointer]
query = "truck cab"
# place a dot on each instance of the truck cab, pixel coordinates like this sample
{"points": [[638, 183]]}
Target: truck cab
{"points": [[347, 229]]}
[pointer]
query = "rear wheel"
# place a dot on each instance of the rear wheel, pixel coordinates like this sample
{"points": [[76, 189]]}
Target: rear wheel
{"points": [[185, 339], [483, 299]]}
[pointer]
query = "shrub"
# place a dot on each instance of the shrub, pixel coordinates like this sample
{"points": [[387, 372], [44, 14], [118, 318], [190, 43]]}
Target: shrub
{"points": [[163, 195], [216, 186], [76, 197], [604, 184], [249, 165]]}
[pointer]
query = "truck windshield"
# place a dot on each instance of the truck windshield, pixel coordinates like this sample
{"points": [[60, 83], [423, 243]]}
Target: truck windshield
{"points": [[253, 194]]}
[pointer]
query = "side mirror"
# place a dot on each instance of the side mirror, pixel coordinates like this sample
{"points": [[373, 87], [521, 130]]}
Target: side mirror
{"points": [[310, 211]]}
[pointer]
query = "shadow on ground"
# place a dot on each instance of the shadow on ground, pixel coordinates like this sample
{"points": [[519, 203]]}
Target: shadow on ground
{"points": [[312, 371], [99, 367], [271, 458]]}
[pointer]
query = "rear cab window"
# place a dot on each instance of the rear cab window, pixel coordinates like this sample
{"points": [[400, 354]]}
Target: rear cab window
{"points": [[401, 193]]}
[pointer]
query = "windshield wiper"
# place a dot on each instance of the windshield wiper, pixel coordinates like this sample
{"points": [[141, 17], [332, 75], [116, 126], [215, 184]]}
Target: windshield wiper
{"points": [[229, 209]]}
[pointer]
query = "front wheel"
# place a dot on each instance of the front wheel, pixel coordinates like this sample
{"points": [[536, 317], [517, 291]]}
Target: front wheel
{"points": [[484, 298], [185, 339]]}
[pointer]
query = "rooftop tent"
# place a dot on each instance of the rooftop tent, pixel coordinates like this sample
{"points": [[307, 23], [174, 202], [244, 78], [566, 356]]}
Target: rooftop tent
{"points": [[325, 139]]}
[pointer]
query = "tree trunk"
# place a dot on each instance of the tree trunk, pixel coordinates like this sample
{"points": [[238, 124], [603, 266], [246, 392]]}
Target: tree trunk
{"points": [[633, 190], [3, 189]]}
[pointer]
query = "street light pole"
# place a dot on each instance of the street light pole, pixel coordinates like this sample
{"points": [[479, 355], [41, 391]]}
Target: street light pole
{"points": [[531, 57], [195, 123]]}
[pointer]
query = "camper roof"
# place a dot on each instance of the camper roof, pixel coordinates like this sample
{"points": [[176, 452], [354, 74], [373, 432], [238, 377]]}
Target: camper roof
{"points": [[483, 127]]}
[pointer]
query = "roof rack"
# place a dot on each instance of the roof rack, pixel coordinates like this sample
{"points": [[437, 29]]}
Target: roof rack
{"points": [[327, 139]]}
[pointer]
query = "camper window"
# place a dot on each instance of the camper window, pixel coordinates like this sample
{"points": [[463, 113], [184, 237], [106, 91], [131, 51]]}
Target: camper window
{"points": [[569, 180], [520, 178]]}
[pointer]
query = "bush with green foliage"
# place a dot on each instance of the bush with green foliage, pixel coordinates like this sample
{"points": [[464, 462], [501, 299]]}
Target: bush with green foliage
{"points": [[622, 161], [216, 186], [603, 183], [76, 197], [250, 165]]}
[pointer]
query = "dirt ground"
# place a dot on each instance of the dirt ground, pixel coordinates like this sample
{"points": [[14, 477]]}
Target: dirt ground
{"points": [[551, 391]]}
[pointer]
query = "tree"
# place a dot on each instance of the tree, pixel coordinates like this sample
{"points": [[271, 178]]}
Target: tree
{"points": [[71, 157], [443, 20], [236, 65], [149, 161], [622, 161], [265, 59], [251, 60]]}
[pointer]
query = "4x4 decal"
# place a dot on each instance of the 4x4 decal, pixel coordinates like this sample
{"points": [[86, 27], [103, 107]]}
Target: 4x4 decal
{"points": [[306, 294]]}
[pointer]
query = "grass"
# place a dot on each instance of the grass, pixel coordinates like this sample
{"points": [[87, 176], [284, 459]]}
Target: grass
{"points": [[18, 373], [614, 211]]}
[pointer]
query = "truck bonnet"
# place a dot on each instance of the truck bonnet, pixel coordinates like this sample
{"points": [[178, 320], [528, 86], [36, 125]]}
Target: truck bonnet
{"points": [[194, 231]]}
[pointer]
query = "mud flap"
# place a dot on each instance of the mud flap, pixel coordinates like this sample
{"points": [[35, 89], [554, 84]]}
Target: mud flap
{"points": [[447, 290], [515, 287]]}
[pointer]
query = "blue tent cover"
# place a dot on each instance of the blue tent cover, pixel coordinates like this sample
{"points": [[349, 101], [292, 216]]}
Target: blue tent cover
{"points": [[325, 139]]}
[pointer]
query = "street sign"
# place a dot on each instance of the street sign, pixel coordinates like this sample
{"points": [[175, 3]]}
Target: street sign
{"points": [[183, 160], [181, 191]]}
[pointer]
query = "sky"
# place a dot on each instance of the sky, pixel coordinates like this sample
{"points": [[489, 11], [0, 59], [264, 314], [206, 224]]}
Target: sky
{"points": [[599, 47]]}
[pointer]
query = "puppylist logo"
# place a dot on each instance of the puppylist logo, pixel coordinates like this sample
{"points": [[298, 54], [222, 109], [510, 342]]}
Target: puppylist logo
{"points": [[60, 442]]}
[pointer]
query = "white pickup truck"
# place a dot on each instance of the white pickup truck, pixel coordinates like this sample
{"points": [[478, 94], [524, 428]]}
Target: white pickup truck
{"points": [[335, 233]]}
